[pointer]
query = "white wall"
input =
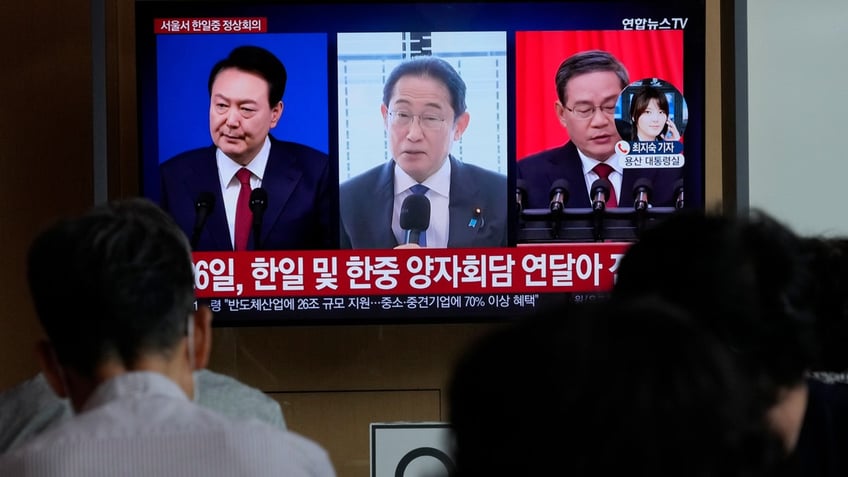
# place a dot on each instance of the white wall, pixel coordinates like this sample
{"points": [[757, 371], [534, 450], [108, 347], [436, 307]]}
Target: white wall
{"points": [[797, 64]]}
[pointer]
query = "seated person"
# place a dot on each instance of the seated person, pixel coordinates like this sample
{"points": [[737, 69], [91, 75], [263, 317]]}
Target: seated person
{"points": [[31, 406], [746, 281], [613, 388], [114, 291]]}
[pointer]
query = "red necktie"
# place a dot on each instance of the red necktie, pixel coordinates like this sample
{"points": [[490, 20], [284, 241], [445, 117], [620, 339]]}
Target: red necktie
{"points": [[244, 217], [603, 171]]}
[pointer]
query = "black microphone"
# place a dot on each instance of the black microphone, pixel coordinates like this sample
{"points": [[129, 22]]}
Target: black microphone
{"points": [[414, 216], [678, 194], [559, 195], [202, 208], [642, 190], [258, 203], [600, 192], [520, 194]]}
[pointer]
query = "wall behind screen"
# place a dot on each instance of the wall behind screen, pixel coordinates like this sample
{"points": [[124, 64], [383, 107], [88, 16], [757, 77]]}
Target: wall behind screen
{"points": [[796, 67]]}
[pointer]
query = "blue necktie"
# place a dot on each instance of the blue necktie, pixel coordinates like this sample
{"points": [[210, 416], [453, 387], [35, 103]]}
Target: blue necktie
{"points": [[421, 189]]}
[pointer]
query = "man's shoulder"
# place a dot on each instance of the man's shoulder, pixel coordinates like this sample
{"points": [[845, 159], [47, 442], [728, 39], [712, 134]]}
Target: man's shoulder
{"points": [[554, 153], [365, 180], [190, 158], [482, 174], [234, 398], [297, 149]]}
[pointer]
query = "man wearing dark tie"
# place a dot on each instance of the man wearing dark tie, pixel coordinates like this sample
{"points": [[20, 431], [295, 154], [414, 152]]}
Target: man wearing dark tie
{"points": [[588, 85], [212, 192], [424, 112]]}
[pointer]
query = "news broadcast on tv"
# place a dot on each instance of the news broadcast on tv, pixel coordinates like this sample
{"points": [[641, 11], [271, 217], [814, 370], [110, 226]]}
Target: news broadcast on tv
{"points": [[416, 162]]}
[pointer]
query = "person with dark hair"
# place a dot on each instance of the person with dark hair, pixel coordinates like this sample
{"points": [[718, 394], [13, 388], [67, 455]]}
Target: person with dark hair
{"points": [[649, 116], [746, 280], [612, 388], [424, 112], [217, 182], [588, 85], [114, 291]]}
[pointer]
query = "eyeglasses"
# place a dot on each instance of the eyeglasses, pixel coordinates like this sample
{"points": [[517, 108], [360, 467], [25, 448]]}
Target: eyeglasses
{"points": [[426, 121], [585, 111]]}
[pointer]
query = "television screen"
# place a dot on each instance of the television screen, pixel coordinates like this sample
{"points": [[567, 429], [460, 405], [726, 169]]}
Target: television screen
{"points": [[500, 111]]}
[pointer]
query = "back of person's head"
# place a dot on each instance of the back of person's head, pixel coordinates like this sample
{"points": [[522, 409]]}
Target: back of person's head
{"points": [[432, 67], [612, 388], [741, 278], [113, 284], [827, 290], [256, 60], [589, 61]]}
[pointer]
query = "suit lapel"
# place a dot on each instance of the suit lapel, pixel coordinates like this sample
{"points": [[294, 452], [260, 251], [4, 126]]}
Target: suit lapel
{"points": [[381, 227], [205, 179], [280, 180], [464, 195]]}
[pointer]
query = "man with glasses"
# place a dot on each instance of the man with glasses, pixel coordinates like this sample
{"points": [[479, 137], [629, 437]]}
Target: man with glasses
{"points": [[588, 85], [424, 112]]}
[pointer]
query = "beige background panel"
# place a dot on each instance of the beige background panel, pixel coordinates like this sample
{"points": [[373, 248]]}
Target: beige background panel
{"points": [[340, 420], [342, 358]]}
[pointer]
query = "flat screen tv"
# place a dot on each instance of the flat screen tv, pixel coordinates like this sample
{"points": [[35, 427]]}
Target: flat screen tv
{"points": [[560, 239]]}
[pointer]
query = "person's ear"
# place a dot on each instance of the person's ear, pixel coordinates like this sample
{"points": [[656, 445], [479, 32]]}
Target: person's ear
{"points": [[385, 112], [461, 124], [276, 113], [51, 368], [560, 112], [201, 337]]}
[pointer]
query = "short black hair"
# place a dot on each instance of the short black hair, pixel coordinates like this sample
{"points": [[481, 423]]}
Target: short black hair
{"points": [[584, 62], [114, 283], [254, 59], [631, 387], [432, 67], [741, 277]]}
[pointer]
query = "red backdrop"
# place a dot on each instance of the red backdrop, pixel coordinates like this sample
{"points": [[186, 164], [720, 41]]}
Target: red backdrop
{"points": [[645, 54]]}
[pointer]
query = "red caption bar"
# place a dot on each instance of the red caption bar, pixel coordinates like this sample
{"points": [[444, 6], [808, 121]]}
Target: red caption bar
{"points": [[543, 268], [163, 26]]}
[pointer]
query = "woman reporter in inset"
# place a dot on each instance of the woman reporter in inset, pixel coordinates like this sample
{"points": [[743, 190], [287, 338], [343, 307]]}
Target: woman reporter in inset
{"points": [[649, 116]]}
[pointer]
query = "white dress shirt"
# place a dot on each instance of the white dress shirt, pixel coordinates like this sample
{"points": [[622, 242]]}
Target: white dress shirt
{"points": [[230, 184], [439, 196], [141, 424]]}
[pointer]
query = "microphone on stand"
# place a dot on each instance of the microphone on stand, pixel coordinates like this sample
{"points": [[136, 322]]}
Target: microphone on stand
{"points": [[559, 195], [414, 217], [642, 190], [678, 194], [258, 203], [203, 206], [600, 192]]}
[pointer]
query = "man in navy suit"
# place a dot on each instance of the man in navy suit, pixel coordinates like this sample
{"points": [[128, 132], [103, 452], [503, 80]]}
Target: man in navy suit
{"points": [[588, 85], [246, 91], [423, 112]]}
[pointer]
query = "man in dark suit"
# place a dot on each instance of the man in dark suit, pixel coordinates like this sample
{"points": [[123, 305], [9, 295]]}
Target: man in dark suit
{"points": [[246, 91], [588, 85], [424, 111]]}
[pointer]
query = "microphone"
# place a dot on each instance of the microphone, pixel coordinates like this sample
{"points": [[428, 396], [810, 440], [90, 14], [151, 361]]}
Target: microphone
{"points": [[520, 194], [203, 206], [258, 203], [414, 216], [678, 194], [559, 195], [642, 190], [600, 192]]}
